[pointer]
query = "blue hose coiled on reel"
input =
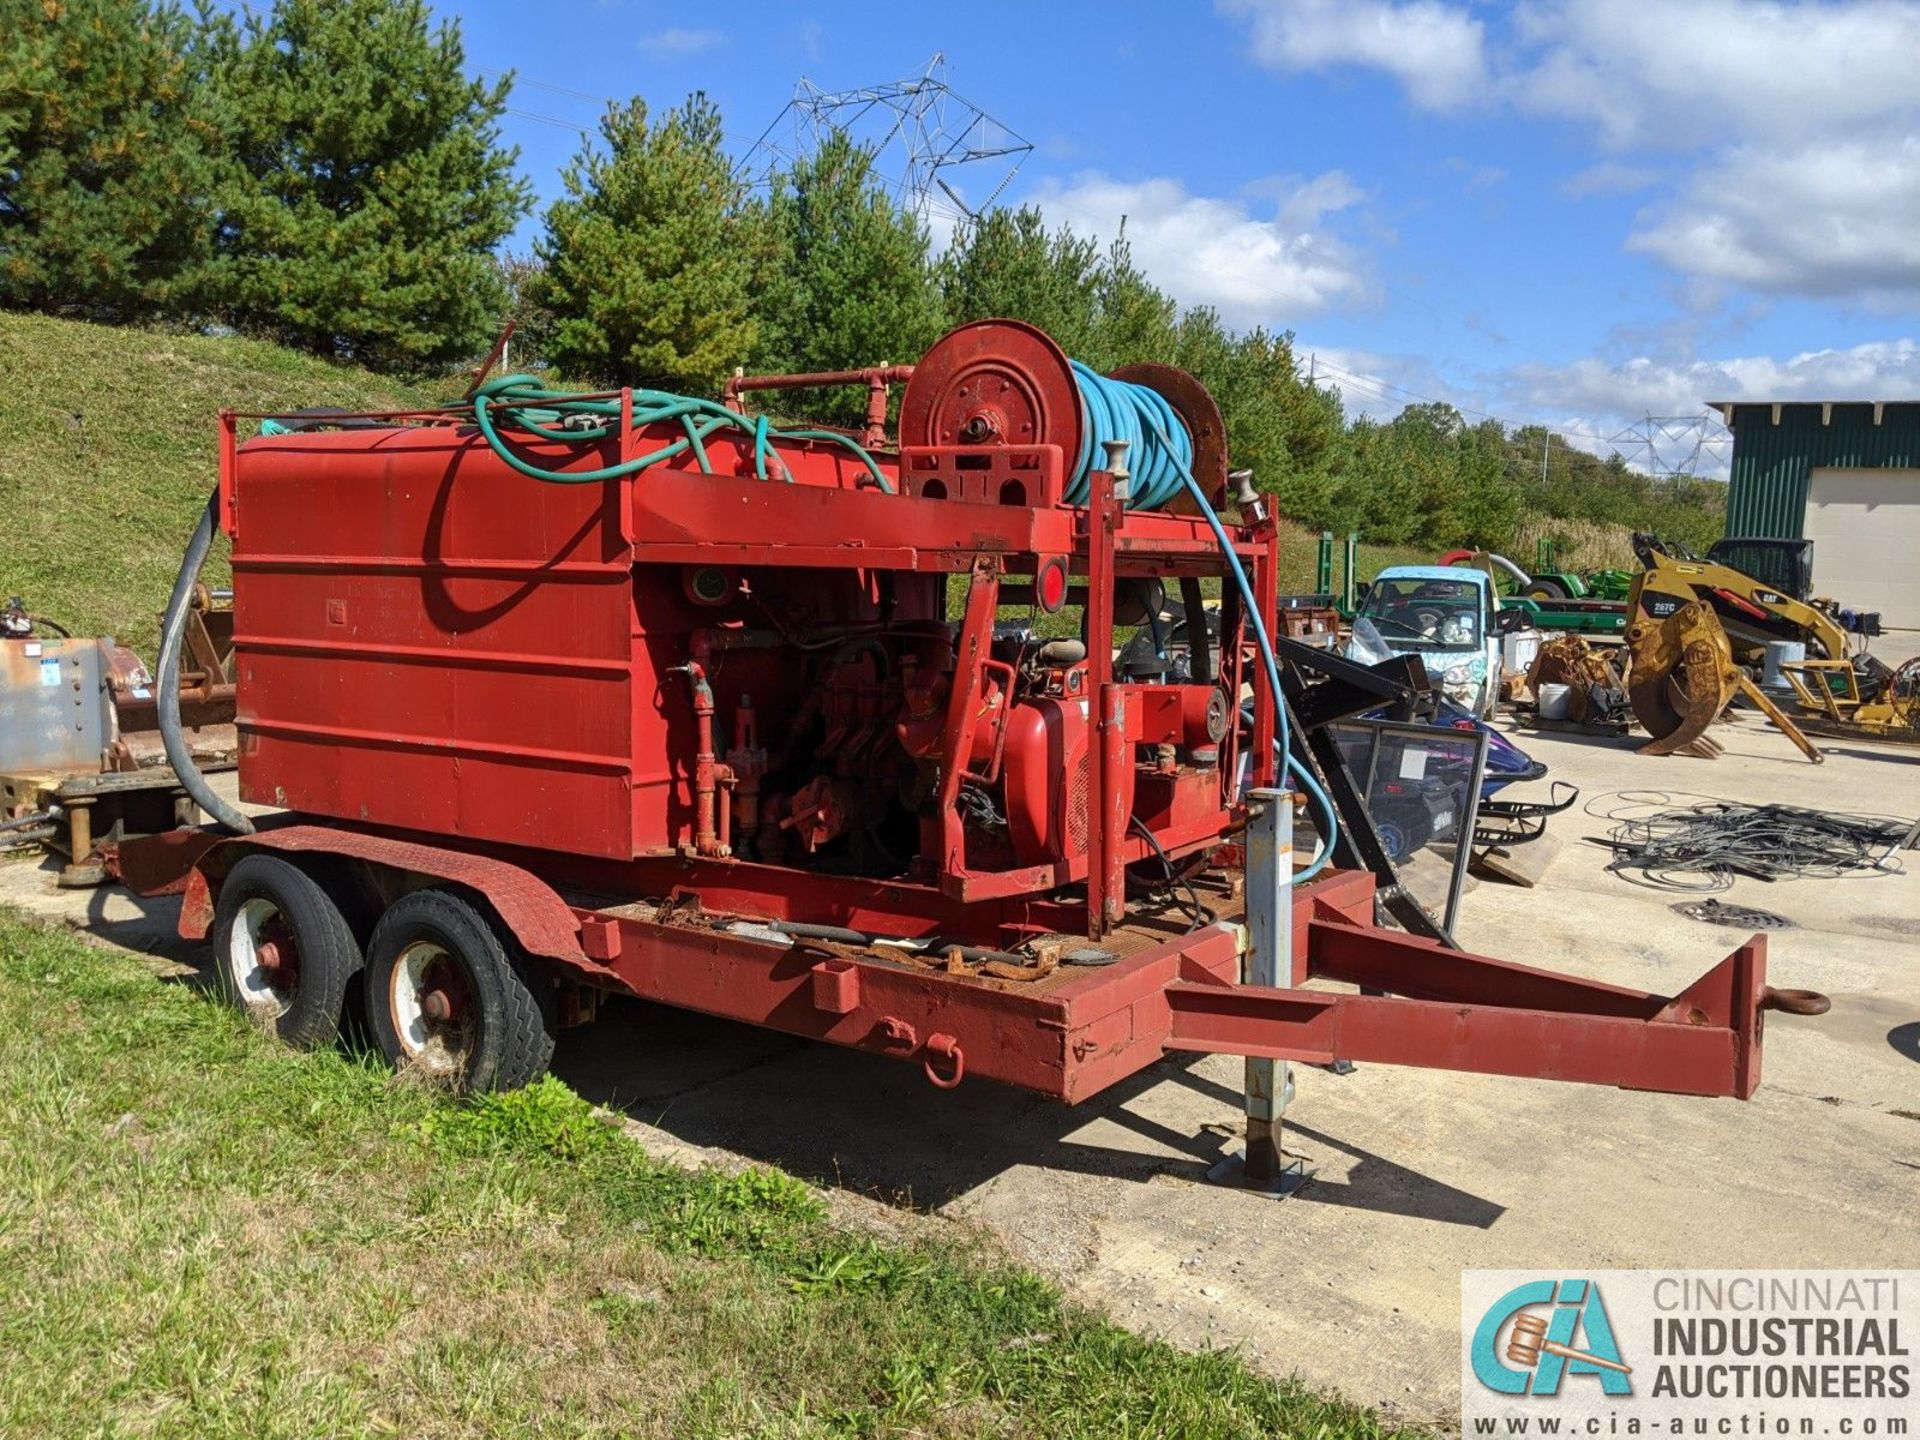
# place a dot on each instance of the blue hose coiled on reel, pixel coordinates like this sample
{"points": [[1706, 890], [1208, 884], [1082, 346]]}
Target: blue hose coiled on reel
{"points": [[1159, 450], [1160, 460]]}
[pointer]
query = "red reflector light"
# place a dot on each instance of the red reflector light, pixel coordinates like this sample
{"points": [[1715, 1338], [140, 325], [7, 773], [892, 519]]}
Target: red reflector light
{"points": [[1050, 585]]}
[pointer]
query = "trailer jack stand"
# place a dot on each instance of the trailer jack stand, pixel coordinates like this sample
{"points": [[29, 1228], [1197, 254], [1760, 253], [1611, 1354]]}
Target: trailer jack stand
{"points": [[1262, 1164]]}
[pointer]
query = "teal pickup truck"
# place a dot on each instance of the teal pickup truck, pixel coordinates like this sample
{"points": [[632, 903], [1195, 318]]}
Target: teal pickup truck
{"points": [[1451, 617]]}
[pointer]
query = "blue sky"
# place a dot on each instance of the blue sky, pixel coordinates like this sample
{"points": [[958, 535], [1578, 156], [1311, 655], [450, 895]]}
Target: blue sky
{"points": [[1576, 211]]}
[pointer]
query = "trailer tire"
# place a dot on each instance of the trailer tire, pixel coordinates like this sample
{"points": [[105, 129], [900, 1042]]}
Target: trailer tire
{"points": [[282, 951], [452, 996]]}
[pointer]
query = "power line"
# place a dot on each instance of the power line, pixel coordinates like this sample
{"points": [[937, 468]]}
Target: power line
{"points": [[519, 79], [1657, 436], [601, 101], [920, 127], [552, 120]]}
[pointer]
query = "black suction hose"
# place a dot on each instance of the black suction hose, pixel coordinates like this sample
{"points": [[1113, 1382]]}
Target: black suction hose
{"points": [[173, 634]]}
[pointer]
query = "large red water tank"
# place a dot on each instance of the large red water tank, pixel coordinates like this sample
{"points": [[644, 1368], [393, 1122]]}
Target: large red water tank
{"points": [[429, 640]]}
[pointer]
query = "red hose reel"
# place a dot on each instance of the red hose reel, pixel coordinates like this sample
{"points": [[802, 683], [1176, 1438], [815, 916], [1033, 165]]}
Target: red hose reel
{"points": [[1005, 384]]}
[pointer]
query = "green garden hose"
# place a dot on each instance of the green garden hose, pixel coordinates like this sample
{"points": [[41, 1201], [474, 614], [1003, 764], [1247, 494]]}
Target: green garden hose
{"points": [[522, 404]]}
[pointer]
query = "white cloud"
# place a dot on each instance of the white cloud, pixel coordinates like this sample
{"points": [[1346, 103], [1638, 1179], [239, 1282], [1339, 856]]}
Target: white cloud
{"points": [[1595, 403], [678, 41], [1610, 395], [1684, 73], [1436, 50], [1799, 120], [1677, 73], [1209, 251], [1829, 219]]}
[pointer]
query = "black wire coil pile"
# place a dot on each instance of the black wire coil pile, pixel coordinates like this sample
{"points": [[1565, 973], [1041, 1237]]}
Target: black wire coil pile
{"points": [[1705, 847]]}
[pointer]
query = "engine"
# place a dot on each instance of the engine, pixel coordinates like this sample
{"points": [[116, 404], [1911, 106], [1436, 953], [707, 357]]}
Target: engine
{"points": [[820, 712]]}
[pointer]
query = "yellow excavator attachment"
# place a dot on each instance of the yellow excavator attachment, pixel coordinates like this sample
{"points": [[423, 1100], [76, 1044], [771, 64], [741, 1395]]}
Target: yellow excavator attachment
{"points": [[1681, 675], [1828, 692]]}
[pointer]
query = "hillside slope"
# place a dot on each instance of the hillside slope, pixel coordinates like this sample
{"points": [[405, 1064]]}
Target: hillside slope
{"points": [[108, 450]]}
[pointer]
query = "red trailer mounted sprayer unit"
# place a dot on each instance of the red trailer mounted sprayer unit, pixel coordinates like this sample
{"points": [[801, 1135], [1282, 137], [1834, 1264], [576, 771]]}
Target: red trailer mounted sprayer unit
{"points": [[564, 696]]}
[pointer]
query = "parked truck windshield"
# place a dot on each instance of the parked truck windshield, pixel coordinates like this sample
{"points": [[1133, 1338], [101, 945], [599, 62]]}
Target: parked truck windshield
{"points": [[1425, 614]]}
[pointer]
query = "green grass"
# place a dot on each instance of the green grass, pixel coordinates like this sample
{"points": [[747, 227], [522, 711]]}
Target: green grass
{"points": [[203, 1234], [108, 450], [1300, 550]]}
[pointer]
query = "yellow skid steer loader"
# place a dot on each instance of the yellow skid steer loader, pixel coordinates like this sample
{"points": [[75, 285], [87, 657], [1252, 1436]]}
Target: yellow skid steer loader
{"points": [[1698, 627]]}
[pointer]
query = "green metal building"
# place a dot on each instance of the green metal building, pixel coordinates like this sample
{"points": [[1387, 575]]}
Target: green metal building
{"points": [[1844, 474]]}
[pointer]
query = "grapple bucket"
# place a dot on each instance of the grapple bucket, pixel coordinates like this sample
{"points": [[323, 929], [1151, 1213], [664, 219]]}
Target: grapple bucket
{"points": [[1681, 677]]}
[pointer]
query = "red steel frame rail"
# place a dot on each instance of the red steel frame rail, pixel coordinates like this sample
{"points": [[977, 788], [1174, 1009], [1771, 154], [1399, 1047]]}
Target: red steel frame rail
{"points": [[1440, 1008]]}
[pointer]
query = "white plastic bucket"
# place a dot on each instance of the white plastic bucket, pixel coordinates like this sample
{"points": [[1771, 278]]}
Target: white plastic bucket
{"points": [[1780, 652], [1554, 701]]}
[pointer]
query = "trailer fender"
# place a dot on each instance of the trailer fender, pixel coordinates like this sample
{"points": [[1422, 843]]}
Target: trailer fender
{"points": [[544, 924]]}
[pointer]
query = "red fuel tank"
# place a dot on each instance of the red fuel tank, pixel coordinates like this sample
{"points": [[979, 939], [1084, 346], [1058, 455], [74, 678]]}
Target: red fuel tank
{"points": [[1046, 770]]}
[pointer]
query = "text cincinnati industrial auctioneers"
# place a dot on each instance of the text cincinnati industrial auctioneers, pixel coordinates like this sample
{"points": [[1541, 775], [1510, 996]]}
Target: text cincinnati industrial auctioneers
{"points": [[1752, 1337], [1820, 1353]]}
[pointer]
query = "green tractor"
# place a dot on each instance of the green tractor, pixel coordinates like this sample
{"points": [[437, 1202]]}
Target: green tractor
{"points": [[1551, 582]]}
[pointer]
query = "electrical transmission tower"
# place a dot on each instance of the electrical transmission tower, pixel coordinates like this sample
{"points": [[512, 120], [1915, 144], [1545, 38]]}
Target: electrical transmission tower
{"points": [[944, 158], [1667, 446]]}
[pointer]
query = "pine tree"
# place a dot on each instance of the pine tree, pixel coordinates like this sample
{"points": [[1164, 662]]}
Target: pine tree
{"points": [[107, 169], [650, 259], [1006, 265], [375, 186], [851, 283], [1134, 318]]}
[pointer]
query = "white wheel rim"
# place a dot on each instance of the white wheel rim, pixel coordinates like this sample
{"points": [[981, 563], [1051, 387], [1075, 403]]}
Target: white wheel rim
{"points": [[421, 1040], [246, 938]]}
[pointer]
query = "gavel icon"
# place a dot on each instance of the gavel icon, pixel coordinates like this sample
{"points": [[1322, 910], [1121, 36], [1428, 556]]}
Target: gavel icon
{"points": [[1529, 1342]]}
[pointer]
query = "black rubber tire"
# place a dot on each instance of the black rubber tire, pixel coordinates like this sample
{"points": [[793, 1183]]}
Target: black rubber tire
{"points": [[1544, 589], [329, 956], [512, 1003]]}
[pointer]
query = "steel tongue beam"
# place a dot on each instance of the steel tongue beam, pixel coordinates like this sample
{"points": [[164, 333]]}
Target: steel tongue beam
{"points": [[1451, 1011]]}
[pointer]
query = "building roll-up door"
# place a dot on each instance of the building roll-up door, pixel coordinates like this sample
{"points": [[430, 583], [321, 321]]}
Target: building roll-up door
{"points": [[1865, 528]]}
